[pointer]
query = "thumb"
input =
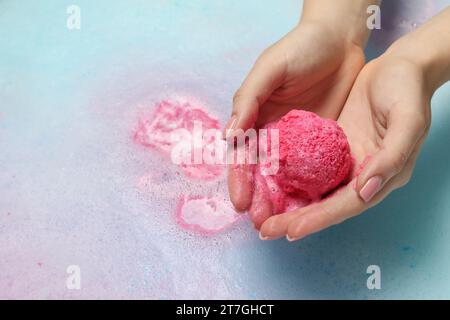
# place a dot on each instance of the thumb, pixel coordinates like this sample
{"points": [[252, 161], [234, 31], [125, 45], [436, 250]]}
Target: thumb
{"points": [[403, 132], [265, 76]]}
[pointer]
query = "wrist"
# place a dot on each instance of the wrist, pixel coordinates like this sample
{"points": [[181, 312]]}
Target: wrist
{"points": [[339, 36], [345, 19], [428, 48], [423, 58]]}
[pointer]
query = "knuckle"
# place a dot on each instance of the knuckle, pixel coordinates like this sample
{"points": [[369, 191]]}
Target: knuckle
{"points": [[325, 211], [331, 216], [265, 54], [405, 179], [420, 124], [266, 58], [398, 161], [401, 180], [418, 121], [260, 62], [401, 183], [237, 96]]}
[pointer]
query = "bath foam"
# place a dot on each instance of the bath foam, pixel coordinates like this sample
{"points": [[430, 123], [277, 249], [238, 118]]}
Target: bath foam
{"points": [[198, 214], [156, 130], [205, 215]]}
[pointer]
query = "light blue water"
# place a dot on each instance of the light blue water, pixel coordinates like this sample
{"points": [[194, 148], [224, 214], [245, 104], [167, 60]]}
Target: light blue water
{"points": [[68, 168]]}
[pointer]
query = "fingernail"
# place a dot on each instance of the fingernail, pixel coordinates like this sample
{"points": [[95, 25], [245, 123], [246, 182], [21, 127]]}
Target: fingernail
{"points": [[371, 188], [263, 237], [229, 127], [291, 239]]}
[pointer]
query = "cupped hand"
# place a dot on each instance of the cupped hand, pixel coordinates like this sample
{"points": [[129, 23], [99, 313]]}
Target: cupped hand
{"points": [[312, 68], [386, 119]]}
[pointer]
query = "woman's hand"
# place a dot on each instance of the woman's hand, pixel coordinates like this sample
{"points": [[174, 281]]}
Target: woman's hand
{"points": [[386, 119], [312, 68]]}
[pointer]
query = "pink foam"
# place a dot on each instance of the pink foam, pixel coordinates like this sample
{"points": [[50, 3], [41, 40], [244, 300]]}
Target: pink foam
{"points": [[281, 201], [314, 159], [156, 129], [205, 215], [315, 155]]}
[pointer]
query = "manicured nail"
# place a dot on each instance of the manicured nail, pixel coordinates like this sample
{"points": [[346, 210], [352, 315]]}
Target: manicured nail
{"points": [[263, 237], [229, 127], [291, 239], [371, 188]]}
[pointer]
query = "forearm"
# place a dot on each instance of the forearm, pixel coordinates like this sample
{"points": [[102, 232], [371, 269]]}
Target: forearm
{"points": [[429, 47], [345, 16]]}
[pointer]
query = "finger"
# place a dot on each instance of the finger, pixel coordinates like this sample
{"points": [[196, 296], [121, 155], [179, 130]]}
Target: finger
{"points": [[342, 205], [276, 226], [240, 186], [403, 177], [261, 206], [403, 132], [266, 75]]}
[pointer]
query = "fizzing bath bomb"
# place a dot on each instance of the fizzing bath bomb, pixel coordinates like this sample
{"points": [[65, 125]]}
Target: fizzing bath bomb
{"points": [[315, 155]]}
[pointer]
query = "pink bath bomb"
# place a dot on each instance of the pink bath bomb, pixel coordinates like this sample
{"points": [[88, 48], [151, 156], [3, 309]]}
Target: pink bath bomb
{"points": [[315, 155]]}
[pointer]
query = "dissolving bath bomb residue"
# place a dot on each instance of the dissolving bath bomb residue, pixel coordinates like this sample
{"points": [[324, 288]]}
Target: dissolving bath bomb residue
{"points": [[204, 215], [314, 159], [314, 154], [156, 130]]}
